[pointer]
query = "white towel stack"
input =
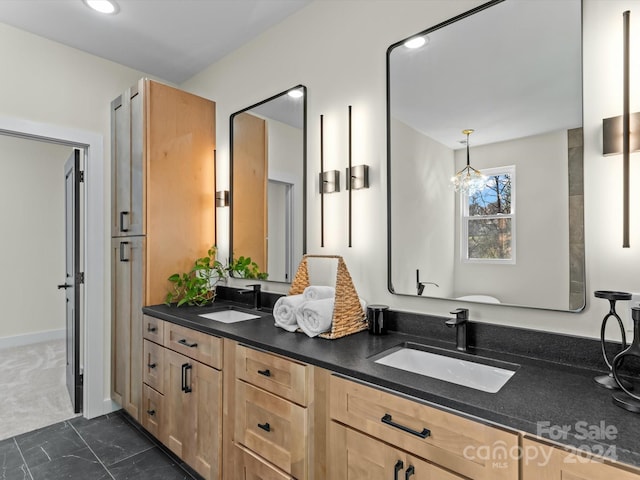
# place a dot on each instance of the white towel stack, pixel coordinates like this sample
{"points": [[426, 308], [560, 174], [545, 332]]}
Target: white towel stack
{"points": [[312, 311]]}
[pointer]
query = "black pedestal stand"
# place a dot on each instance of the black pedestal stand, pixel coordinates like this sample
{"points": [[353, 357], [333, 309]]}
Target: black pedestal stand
{"points": [[608, 381], [628, 400]]}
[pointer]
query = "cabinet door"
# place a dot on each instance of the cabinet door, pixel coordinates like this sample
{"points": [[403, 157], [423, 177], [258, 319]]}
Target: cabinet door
{"points": [[204, 454], [252, 467], [543, 462], [180, 418], [127, 168], [356, 456], [127, 277]]}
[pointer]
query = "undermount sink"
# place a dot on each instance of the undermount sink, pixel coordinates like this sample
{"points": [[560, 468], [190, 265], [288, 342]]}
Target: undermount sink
{"points": [[489, 376], [229, 315]]}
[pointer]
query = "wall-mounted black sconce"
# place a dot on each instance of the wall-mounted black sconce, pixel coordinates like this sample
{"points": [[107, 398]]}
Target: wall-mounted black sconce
{"points": [[350, 169], [330, 181], [616, 132], [222, 198], [321, 181], [359, 177]]}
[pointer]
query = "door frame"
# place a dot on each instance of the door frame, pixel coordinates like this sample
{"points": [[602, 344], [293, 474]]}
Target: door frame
{"points": [[96, 398]]}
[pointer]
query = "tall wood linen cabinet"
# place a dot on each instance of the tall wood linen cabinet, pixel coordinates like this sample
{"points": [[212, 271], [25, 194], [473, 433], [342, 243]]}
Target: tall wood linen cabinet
{"points": [[162, 212]]}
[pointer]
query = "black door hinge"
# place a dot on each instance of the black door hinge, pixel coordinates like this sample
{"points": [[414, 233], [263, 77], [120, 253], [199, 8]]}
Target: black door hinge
{"points": [[81, 379], [81, 277], [81, 176]]}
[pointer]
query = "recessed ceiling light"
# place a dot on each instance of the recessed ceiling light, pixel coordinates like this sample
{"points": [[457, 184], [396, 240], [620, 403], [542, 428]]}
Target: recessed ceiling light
{"points": [[295, 93], [103, 6], [415, 42]]}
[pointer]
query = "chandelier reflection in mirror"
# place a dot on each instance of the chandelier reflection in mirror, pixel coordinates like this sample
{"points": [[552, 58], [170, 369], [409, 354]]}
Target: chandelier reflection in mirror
{"points": [[468, 180]]}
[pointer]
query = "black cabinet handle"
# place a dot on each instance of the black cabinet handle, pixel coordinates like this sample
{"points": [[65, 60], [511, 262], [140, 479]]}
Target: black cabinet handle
{"points": [[151, 328], [151, 365], [151, 412], [266, 372], [122, 257], [65, 286], [186, 388], [410, 471], [122, 229], [265, 426], [399, 466], [388, 420], [187, 344]]}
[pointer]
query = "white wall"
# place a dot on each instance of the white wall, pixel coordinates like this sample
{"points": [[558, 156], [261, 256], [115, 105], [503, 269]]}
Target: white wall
{"points": [[423, 213], [342, 65], [32, 245], [285, 144], [542, 224], [46, 83]]}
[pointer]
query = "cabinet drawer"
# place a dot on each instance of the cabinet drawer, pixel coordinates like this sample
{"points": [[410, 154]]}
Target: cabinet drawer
{"points": [[357, 456], [197, 345], [153, 329], [252, 467], [544, 462], [273, 373], [272, 427], [153, 365], [449, 440], [152, 410]]}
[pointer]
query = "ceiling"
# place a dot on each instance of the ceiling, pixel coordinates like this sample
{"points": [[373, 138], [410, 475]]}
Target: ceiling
{"points": [[170, 39], [510, 71]]}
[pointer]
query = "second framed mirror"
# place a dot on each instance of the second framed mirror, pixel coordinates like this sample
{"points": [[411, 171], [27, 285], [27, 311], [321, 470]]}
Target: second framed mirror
{"points": [[268, 183]]}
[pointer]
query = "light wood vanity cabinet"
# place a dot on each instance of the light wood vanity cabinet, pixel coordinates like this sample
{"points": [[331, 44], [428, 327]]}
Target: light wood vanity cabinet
{"points": [[182, 396], [544, 462], [162, 214], [448, 441], [278, 431]]}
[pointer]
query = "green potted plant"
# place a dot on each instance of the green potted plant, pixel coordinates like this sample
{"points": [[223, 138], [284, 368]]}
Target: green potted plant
{"points": [[198, 285]]}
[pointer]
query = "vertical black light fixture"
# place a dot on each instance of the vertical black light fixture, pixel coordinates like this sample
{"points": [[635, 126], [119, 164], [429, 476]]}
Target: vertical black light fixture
{"points": [[625, 131], [616, 131], [349, 178], [321, 179]]}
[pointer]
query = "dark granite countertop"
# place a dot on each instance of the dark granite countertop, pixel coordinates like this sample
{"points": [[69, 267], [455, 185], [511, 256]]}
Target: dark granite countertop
{"points": [[543, 398]]}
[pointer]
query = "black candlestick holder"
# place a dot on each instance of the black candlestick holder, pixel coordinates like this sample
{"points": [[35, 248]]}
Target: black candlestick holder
{"points": [[608, 381], [628, 400]]}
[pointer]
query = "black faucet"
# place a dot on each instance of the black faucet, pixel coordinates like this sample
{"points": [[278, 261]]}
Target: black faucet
{"points": [[460, 322], [257, 295]]}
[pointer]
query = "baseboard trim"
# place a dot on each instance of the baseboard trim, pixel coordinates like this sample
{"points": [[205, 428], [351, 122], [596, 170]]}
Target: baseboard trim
{"points": [[31, 338]]}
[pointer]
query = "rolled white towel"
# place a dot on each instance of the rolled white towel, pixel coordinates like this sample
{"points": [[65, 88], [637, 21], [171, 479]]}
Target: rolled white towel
{"points": [[315, 316], [318, 292], [284, 312]]}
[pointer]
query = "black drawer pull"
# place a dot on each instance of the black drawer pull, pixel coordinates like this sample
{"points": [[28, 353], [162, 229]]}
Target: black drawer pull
{"points": [[387, 419], [186, 388], [266, 372], [151, 412], [151, 328], [266, 427], [399, 466], [410, 471], [122, 229], [151, 365], [187, 344], [122, 257]]}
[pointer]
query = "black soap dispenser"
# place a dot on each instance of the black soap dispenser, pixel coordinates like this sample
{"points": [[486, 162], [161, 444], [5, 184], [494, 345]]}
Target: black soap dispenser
{"points": [[628, 400]]}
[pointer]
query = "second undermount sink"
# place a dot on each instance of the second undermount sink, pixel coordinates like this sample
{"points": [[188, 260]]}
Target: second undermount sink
{"points": [[486, 375], [229, 315]]}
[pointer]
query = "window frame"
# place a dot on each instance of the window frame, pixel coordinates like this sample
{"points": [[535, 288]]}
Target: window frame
{"points": [[465, 218]]}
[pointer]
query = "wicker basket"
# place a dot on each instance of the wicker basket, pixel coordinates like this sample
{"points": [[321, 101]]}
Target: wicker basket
{"points": [[348, 316]]}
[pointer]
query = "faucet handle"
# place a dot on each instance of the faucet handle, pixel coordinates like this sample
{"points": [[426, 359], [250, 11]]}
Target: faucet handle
{"points": [[462, 314]]}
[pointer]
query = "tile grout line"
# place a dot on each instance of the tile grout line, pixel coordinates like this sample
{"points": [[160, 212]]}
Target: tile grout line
{"points": [[91, 450], [24, 461]]}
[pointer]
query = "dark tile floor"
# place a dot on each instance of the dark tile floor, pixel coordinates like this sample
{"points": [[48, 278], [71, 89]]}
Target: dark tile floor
{"points": [[111, 447]]}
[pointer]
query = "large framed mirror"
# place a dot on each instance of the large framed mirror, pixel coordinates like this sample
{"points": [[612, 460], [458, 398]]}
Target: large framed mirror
{"points": [[268, 183], [497, 89]]}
